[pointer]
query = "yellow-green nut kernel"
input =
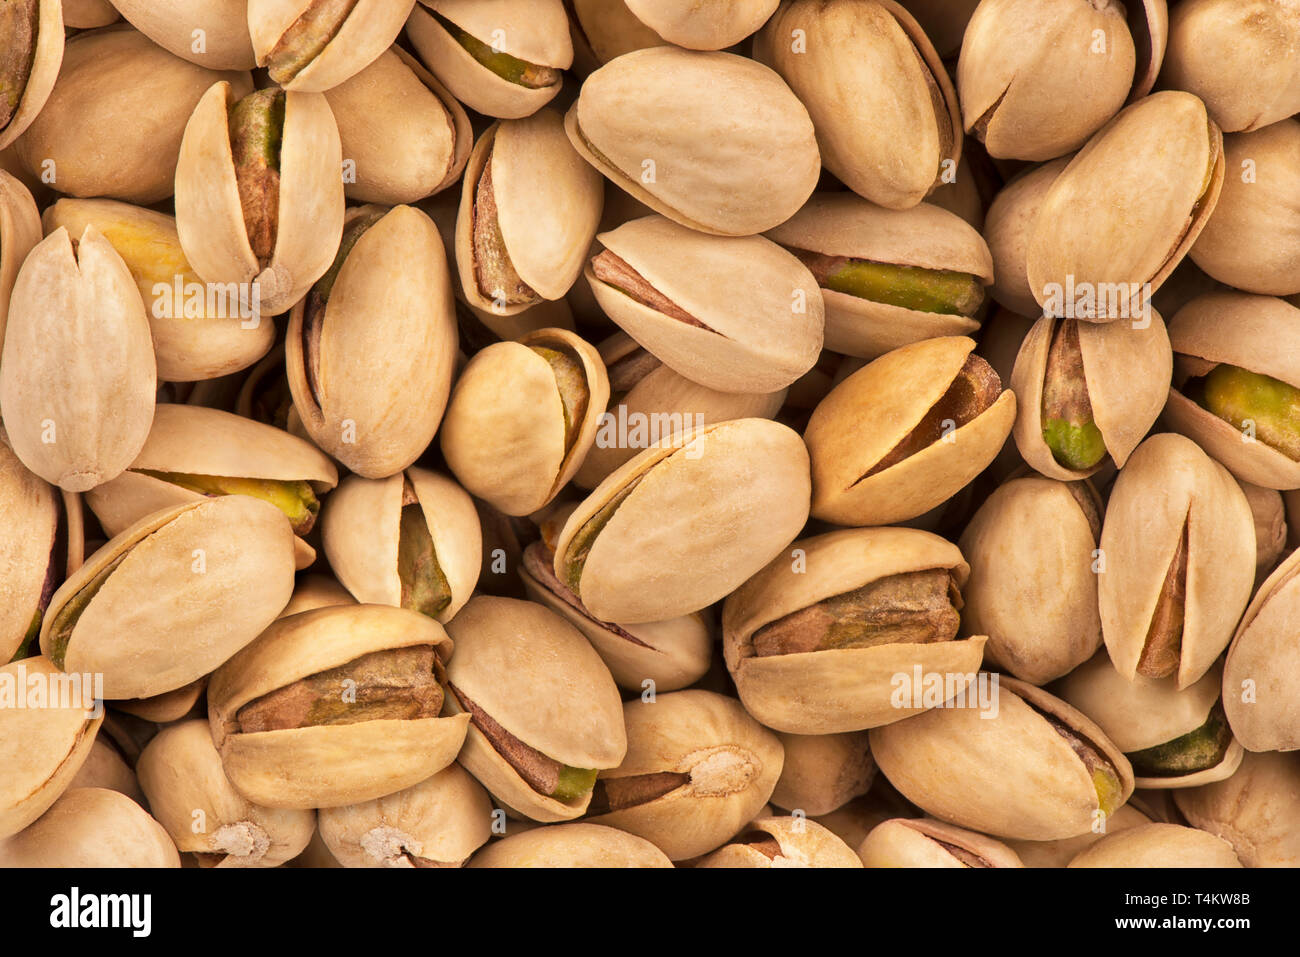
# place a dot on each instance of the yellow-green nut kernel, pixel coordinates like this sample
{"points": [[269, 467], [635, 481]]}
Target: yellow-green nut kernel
{"points": [[32, 31], [571, 845], [783, 842], [315, 45], [1159, 845], [177, 26], [91, 827], [901, 842], [1254, 809]]}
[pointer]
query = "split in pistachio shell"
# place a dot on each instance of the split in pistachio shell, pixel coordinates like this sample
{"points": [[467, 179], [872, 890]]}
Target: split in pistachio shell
{"points": [[578, 844], [1159, 845], [32, 31], [784, 842], [1254, 809], [901, 842], [29, 553], [91, 828], [178, 25], [315, 45]]}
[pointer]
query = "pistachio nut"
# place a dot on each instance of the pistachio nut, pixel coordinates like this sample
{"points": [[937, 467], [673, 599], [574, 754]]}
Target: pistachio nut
{"points": [[342, 360], [640, 120], [698, 769], [190, 795], [906, 432], [211, 33], [1059, 853], [902, 842], [1268, 509], [703, 24], [118, 95], [529, 208], [889, 277], [91, 827], [823, 772], [687, 515], [166, 707], [1254, 810], [855, 820], [1179, 547], [1034, 768], [1011, 217], [571, 845], [335, 706], [32, 31], [817, 639], [105, 767], [1159, 845], [316, 591], [605, 29], [411, 540], [77, 375], [516, 447], [732, 313], [439, 822], [944, 21], [503, 58], [89, 14], [30, 565], [1116, 222], [20, 231], [1088, 390], [311, 46], [1032, 588], [259, 196], [887, 117], [783, 842]]}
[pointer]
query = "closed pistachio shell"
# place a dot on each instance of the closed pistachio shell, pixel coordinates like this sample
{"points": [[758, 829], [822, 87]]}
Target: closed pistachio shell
{"points": [[1159, 845], [784, 842], [571, 845], [603, 30], [1268, 508], [901, 842], [1254, 810], [20, 231], [104, 767], [29, 571], [823, 772], [42, 70], [640, 119], [316, 591], [91, 827], [166, 707], [1059, 853], [305, 52], [88, 14], [211, 34], [1007, 226], [703, 24]]}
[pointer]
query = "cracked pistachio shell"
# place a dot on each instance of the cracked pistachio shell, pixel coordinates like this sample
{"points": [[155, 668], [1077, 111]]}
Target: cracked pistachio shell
{"points": [[922, 842], [703, 24], [1130, 204], [1007, 226], [641, 121], [571, 845], [1170, 484], [122, 96], [439, 822], [189, 344], [180, 772], [1255, 810], [28, 562], [367, 30], [800, 843], [699, 513], [1146, 712], [1127, 367], [407, 135], [91, 828], [44, 71], [1257, 333], [193, 585], [1059, 853], [513, 447], [396, 272], [327, 765], [309, 221], [839, 689], [869, 413], [535, 675], [1022, 60], [761, 307], [20, 231], [211, 33], [1012, 775], [1158, 845], [361, 534], [534, 31], [923, 237], [605, 29], [77, 376], [42, 748], [547, 202], [1032, 588], [730, 762], [823, 772], [887, 117], [89, 14]]}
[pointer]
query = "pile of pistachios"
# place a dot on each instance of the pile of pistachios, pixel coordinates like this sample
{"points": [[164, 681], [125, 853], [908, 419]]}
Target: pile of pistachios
{"points": [[649, 433]]}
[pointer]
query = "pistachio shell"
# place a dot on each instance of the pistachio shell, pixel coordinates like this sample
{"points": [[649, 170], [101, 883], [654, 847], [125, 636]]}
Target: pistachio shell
{"points": [[316, 591], [46, 60], [91, 827], [211, 34], [20, 231], [605, 29], [1268, 509], [703, 24], [88, 14], [799, 843], [823, 772], [368, 29], [1158, 845], [104, 767], [925, 843], [1254, 810], [166, 707], [1007, 226], [571, 845], [27, 554], [944, 21], [1059, 853]]}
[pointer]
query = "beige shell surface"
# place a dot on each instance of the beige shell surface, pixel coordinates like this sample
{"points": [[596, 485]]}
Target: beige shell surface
{"points": [[104, 767], [1059, 853], [571, 845], [316, 591], [91, 827], [1007, 225], [703, 24], [1159, 845], [44, 71], [631, 119], [603, 30], [31, 515], [20, 231], [367, 31], [166, 707], [802, 843], [823, 772], [218, 27], [88, 14], [904, 842], [1254, 810]]}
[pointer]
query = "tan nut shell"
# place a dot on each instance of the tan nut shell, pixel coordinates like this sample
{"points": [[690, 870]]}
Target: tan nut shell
{"points": [[1012, 775], [209, 217], [1167, 482], [1127, 367], [1007, 226], [1059, 853], [762, 306], [925, 236], [640, 120], [360, 531], [1159, 845], [42, 748], [88, 14], [31, 520], [903, 842], [91, 827], [536, 31], [603, 30], [20, 231], [1255, 810], [367, 31], [178, 26], [734, 763], [1268, 509], [803, 843], [571, 845], [46, 60], [77, 360], [105, 768], [180, 772], [846, 689], [316, 591], [166, 707], [396, 271], [871, 411], [711, 506], [823, 772], [703, 24], [507, 445], [327, 766]]}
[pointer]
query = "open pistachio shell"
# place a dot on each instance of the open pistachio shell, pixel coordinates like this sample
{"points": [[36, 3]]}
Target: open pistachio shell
{"points": [[1255, 810], [1179, 547], [903, 842], [928, 402], [571, 845], [502, 58], [703, 24], [823, 772], [640, 119], [211, 33], [311, 46], [332, 757], [29, 566], [91, 827], [1159, 845], [783, 842], [928, 269], [638, 549], [89, 14], [735, 314], [540, 694], [20, 231], [77, 378], [1034, 768], [34, 37], [825, 668], [1007, 226], [190, 795], [379, 553]]}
